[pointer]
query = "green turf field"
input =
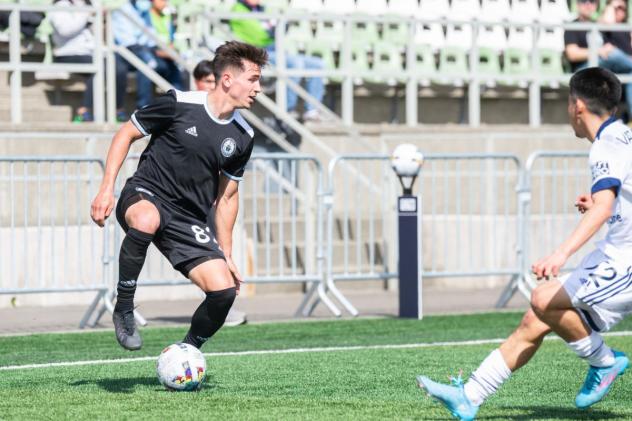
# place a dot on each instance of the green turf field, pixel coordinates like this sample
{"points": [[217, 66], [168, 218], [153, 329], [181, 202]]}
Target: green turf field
{"points": [[353, 381]]}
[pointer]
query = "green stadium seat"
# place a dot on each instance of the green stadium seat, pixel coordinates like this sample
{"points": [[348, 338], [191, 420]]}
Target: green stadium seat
{"points": [[395, 33], [388, 64], [115, 4], [489, 66], [424, 64], [331, 32], [365, 32], [273, 6], [551, 65], [452, 66], [516, 64], [359, 63], [325, 52], [300, 33]]}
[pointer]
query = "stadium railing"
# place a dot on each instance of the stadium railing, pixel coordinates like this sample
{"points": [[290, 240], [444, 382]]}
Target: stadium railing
{"points": [[550, 184], [278, 236], [540, 65], [48, 244], [542, 70], [470, 219]]}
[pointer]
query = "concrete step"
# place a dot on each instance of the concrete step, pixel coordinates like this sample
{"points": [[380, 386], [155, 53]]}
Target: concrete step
{"points": [[57, 113]]}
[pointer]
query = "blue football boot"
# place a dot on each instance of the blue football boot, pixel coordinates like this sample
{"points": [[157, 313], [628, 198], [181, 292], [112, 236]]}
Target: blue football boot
{"points": [[451, 396], [599, 381]]}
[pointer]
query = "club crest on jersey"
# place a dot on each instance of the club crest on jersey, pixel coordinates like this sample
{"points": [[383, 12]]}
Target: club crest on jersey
{"points": [[228, 147], [600, 168]]}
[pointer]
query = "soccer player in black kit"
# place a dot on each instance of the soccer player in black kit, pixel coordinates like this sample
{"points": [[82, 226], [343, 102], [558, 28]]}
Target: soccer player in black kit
{"points": [[197, 153]]}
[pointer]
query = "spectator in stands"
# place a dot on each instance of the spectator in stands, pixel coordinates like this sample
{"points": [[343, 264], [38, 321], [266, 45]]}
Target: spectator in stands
{"points": [[129, 33], [576, 42], [616, 53], [73, 42], [161, 19], [611, 52], [261, 34]]}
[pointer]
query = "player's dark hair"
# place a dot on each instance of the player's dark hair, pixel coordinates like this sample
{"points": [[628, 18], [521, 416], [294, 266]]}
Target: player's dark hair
{"points": [[599, 88], [203, 69], [233, 54]]}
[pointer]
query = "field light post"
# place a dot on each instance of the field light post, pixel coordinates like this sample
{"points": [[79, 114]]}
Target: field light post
{"points": [[406, 162]]}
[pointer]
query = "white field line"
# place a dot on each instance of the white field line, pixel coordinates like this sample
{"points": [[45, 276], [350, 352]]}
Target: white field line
{"points": [[286, 351]]}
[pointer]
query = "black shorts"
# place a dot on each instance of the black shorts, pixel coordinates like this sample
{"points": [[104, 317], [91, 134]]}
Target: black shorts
{"points": [[185, 241]]}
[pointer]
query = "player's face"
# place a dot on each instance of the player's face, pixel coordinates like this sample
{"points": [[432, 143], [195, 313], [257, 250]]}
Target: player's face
{"points": [[206, 83], [246, 85]]}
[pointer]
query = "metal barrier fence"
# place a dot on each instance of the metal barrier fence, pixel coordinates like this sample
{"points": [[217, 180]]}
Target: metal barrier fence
{"points": [[470, 218], [278, 234], [551, 183], [483, 216], [47, 241]]}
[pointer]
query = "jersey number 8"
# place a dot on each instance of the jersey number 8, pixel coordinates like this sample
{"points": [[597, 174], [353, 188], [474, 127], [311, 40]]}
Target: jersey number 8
{"points": [[201, 235]]}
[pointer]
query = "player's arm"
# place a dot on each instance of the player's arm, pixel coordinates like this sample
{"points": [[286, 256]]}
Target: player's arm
{"points": [[226, 208], [594, 217], [103, 203]]}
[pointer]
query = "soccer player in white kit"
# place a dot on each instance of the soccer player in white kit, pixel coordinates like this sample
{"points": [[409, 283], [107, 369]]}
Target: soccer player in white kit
{"points": [[598, 293]]}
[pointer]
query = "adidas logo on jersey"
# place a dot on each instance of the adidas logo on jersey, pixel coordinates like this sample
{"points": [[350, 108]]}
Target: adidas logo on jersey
{"points": [[192, 131]]}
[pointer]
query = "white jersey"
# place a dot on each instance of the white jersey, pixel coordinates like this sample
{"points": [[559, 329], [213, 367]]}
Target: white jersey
{"points": [[611, 167]]}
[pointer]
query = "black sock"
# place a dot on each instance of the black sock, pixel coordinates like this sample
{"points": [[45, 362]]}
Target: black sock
{"points": [[131, 259], [210, 316]]}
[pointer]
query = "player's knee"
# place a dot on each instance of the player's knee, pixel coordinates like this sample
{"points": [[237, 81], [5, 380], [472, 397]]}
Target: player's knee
{"points": [[144, 220], [540, 300]]}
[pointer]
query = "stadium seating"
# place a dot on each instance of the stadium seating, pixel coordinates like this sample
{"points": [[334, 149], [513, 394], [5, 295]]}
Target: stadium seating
{"points": [[434, 9], [465, 10], [343, 7], [524, 11], [372, 7]]}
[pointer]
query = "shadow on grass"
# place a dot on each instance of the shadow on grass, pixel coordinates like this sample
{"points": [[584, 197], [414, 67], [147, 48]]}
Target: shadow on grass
{"points": [[129, 384], [553, 412]]}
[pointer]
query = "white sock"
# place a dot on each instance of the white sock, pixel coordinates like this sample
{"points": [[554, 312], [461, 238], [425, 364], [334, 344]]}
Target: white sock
{"points": [[487, 378], [593, 349]]}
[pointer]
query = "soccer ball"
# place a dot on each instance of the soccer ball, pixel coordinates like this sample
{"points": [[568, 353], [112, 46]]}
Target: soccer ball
{"points": [[406, 160], [181, 367]]}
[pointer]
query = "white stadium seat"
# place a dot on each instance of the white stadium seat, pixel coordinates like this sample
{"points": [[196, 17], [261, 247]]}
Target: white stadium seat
{"points": [[495, 10], [404, 8], [459, 36], [372, 7], [341, 7], [492, 37], [524, 11], [554, 11], [430, 34], [434, 9], [520, 37], [551, 39], [464, 10], [313, 6]]}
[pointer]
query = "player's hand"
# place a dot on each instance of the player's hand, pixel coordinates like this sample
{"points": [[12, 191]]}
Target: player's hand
{"points": [[102, 206], [583, 202], [235, 273], [549, 266]]}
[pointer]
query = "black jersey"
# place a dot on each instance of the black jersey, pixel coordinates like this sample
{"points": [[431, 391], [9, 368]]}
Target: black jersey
{"points": [[188, 149]]}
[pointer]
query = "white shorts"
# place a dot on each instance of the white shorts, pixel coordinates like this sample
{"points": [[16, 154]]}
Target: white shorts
{"points": [[601, 290]]}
